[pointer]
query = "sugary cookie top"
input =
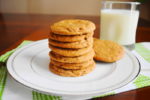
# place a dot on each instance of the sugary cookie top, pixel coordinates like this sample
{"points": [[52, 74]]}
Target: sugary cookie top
{"points": [[107, 51], [73, 27]]}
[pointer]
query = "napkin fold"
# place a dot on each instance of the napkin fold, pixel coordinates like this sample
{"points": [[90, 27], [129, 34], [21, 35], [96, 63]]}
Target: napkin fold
{"points": [[11, 90]]}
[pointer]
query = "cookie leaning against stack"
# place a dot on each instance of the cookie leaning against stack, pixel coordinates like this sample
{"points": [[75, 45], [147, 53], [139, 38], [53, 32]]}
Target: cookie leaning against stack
{"points": [[71, 42], [107, 51]]}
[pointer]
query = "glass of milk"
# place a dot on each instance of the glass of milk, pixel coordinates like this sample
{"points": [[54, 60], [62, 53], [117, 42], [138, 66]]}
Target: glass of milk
{"points": [[119, 22]]}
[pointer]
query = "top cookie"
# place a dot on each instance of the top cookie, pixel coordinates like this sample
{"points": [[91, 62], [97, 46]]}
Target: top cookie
{"points": [[73, 27], [107, 51]]}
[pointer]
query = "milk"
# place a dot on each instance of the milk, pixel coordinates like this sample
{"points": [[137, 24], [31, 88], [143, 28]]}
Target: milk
{"points": [[119, 25]]}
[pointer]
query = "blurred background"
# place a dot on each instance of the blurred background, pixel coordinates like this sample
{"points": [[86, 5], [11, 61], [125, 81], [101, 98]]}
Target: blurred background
{"points": [[63, 7]]}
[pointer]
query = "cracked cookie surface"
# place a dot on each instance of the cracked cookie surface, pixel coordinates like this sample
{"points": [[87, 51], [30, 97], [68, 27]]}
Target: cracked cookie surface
{"points": [[73, 27], [107, 51]]}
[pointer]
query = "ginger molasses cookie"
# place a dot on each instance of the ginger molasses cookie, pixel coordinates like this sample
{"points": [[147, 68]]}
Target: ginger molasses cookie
{"points": [[72, 65], [73, 27], [71, 72], [74, 45], [71, 52], [74, 59], [69, 38], [107, 51]]}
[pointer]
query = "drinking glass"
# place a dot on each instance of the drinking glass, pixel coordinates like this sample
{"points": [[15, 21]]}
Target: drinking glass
{"points": [[119, 22]]}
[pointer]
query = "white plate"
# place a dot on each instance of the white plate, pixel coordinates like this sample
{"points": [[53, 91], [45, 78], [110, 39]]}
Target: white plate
{"points": [[29, 66]]}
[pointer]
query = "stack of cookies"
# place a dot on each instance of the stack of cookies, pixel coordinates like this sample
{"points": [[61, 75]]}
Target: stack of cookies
{"points": [[71, 43]]}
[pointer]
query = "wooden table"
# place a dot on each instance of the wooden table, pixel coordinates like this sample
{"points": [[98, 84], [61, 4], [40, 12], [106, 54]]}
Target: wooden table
{"points": [[14, 28]]}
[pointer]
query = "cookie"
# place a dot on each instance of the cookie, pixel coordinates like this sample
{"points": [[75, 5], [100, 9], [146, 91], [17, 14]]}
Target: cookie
{"points": [[72, 65], [107, 51], [71, 72], [77, 59], [73, 27], [69, 38], [71, 52], [74, 45]]}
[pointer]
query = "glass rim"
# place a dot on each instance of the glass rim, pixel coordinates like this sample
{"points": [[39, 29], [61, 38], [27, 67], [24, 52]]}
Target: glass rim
{"points": [[122, 2]]}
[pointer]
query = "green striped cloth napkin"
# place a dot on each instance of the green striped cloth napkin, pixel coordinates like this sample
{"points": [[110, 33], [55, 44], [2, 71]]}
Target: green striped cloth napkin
{"points": [[11, 90]]}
